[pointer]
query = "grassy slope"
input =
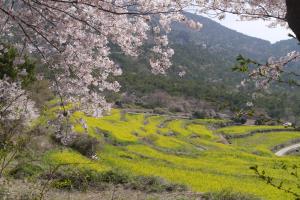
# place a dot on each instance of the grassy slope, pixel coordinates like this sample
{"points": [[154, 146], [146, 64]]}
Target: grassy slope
{"points": [[155, 145], [239, 130], [266, 141]]}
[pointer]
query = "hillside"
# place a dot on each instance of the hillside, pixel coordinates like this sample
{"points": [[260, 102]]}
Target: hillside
{"points": [[183, 154], [220, 40], [226, 43], [208, 57], [214, 49], [74, 127]]}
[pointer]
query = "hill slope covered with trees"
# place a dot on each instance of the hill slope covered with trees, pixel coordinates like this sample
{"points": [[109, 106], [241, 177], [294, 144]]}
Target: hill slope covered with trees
{"points": [[207, 58]]}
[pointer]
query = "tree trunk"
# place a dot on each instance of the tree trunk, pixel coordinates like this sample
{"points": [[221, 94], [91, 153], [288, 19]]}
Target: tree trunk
{"points": [[293, 16]]}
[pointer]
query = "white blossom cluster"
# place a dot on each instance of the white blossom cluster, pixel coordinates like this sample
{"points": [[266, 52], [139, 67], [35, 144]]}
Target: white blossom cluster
{"points": [[14, 102], [273, 70], [271, 10], [182, 73]]}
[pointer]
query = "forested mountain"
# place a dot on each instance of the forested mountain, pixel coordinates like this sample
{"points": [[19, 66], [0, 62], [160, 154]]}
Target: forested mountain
{"points": [[212, 51], [223, 45], [208, 56], [219, 39]]}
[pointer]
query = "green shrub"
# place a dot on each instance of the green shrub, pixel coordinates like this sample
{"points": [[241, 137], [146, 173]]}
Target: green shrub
{"points": [[25, 170], [86, 145], [64, 183], [112, 177], [81, 180], [240, 119], [199, 115], [228, 195], [68, 179]]}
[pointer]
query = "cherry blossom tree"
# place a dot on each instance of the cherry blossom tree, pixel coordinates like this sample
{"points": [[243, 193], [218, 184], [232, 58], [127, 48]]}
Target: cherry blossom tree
{"points": [[74, 37], [16, 73], [16, 108]]}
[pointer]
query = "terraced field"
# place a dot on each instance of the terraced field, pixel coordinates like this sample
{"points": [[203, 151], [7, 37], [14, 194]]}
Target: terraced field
{"points": [[265, 140], [184, 151], [236, 131]]}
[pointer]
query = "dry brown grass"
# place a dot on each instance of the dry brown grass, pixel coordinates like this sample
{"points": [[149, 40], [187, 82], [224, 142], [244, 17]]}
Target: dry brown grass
{"points": [[19, 189]]}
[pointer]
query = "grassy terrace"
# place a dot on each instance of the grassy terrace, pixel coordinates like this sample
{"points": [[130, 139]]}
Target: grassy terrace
{"points": [[265, 141], [169, 148], [240, 130]]}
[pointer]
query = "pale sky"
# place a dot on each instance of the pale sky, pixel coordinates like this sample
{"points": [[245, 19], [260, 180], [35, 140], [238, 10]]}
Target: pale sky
{"points": [[257, 29]]}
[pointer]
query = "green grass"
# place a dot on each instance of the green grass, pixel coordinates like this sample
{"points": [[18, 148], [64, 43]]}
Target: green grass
{"points": [[238, 130], [179, 126], [158, 146], [212, 171], [201, 131], [72, 158], [265, 141]]}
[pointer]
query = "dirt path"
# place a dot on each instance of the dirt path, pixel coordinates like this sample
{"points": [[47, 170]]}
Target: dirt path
{"points": [[285, 150]]}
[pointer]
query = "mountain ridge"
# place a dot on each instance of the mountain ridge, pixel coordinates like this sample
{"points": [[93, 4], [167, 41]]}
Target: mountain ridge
{"points": [[216, 35]]}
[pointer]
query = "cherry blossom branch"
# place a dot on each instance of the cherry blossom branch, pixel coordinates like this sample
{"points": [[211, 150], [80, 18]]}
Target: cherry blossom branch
{"points": [[273, 70]]}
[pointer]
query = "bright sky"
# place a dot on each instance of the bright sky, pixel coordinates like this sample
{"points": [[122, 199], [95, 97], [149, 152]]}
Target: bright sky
{"points": [[257, 29]]}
